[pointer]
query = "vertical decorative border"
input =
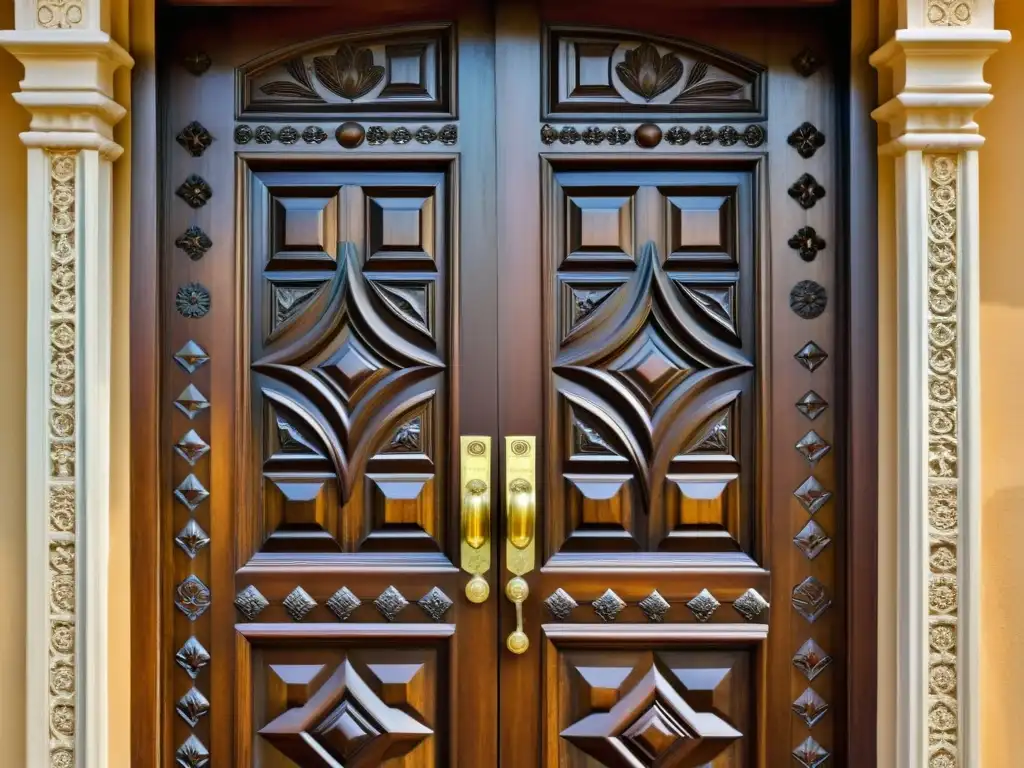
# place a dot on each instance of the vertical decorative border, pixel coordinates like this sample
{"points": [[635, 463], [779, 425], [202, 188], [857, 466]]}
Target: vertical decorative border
{"points": [[61, 433], [943, 460]]}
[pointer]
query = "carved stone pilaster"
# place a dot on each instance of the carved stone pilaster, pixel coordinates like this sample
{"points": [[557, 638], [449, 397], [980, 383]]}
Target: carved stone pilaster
{"points": [[68, 89], [939, 86]]}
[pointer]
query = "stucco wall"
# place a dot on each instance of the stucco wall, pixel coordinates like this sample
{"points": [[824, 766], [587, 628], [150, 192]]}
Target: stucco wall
{"points": [[1002, 349]]}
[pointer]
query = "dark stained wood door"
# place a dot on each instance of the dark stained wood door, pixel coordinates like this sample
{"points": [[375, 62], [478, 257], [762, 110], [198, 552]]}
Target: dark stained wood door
{"points": [[533, 300]]}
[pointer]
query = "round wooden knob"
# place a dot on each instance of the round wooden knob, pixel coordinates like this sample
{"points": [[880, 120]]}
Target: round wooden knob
{"points": [[648, 136], [350, 135]]}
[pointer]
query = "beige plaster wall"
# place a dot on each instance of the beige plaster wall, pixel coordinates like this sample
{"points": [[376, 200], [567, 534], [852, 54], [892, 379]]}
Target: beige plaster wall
{"points": [[13, 119], [1002, 381]]}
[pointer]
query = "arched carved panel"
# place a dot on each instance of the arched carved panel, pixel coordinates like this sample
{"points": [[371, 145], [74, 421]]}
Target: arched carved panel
{"points": [[597, 74]]}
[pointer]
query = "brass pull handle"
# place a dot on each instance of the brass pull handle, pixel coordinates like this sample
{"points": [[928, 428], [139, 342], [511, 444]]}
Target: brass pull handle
{"points": [[521, 522], [517, 591], [476, 515]]}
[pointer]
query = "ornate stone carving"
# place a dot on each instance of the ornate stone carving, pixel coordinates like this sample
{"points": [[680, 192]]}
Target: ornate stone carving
{"points": [[950, 13], [390, 603], [560, 604], [608, 606], [60, 14], [943, 447], [62, 436], [703, 605]]}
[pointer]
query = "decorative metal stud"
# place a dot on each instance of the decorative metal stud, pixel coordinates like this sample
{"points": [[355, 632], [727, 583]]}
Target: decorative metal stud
{"points": [[806, 140], [192, 301], [191, 492], [705, 135], [350, 134], [191, 357], [560, 604], [376, 135], [194, 138], [810, 754], [401, 135], [191, 401], [811, 494], [807, 242], [192, 597], [197, 63], [192, 754], [812, 405], [192, 706], [243, 134], [194, 242], [811, 356], [299, 604], [569, 135], [750, 604], [654, 607], [810, 599], [548, 134], [390, 603], [813, 447], [754, 136], [647, 135], [810, 707], [425, 134], [593, 135], [703, 605], [448, 135], [314, 134], [192, 657], [618, 136], [608, 606], [808, 299], [806, 63], [811, 540], [250, 602], [677, 136], [811, 660], [343, 603], [194, 191], [288, 135], [435, 604], [728, 136], [192, 538], [806, 191], [263, 134]]}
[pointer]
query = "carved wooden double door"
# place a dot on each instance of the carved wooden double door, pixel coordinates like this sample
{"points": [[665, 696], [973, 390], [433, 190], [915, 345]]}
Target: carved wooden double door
{"points": [[500, 388]]}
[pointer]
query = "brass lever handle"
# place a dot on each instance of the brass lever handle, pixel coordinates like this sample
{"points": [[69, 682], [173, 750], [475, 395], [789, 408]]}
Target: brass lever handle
{"points": [[521, 522], [476, 515], [517, 591]]}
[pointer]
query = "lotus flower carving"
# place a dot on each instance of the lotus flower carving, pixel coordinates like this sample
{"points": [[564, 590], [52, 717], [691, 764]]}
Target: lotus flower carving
{"points": [[349, 73], [647, 73]]}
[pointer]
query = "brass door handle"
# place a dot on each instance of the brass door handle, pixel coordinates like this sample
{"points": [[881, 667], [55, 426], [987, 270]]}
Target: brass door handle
{"points": [[476, 515], [521, 522]]}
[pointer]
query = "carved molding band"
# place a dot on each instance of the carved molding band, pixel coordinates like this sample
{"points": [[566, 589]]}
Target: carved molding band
{"points": [[374, 135], [649, 135], [943, 462], [61, 436]]}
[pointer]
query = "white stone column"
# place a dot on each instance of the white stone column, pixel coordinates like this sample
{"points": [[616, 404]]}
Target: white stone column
{"points": [[936, 61], [68, 90]]}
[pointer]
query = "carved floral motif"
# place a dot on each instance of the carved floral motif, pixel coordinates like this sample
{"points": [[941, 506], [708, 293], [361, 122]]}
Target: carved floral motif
{"points": [[60, 14], [647, 73], [950, 13]]}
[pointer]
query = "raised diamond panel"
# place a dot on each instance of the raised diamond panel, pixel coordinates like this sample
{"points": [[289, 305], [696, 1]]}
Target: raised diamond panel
{"points": [[750, 604], [250, 602], [299, 604], [608, 606], [560, 604], [811, 660], [192, 657], [435, 604], [654, 607], [390, 603], [342, 603], [703, 605], [810, 599]]}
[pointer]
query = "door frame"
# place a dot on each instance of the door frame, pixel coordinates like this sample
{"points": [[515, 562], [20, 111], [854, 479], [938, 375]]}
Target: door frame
{"points": [[857, 372]]}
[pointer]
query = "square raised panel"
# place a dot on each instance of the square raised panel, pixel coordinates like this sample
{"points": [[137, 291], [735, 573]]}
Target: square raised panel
{"points": [[599, 225], [702, 513], [593, 70], [408, 67], [303, 229], [301, 512], [701, 225], [400, 224]]}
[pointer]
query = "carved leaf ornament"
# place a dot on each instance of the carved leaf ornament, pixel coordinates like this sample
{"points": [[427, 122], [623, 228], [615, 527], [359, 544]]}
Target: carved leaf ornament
{"points": [[649, 74], [349, 73]]}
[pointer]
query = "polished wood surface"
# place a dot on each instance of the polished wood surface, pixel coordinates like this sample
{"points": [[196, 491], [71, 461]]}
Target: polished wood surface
{"points": [[636, 305]]}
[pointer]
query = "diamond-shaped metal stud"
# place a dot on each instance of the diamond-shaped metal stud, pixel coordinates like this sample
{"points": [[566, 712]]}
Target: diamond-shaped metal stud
{"points": [[560, 604], [811, 356], [811, 659], [191, 447], [810, 707], [812, 405], [806, 191], [192, 754], [195, 138], [191, 357], [654, 607], [191, 492], [810, 753], [806, 63], [608, 606], [812, 540], [342, 603], [812, 495], [299, 603], [435, 604], [806, 140], [191, 538], [197, 63], [192, 597], [250, 602], [703, 605], [813, 447], [191, 401], [195, 191], [807, 242], [750, 604], [194, 242], [192, 706], [192, 657], [390, 603], [810, 599]]}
